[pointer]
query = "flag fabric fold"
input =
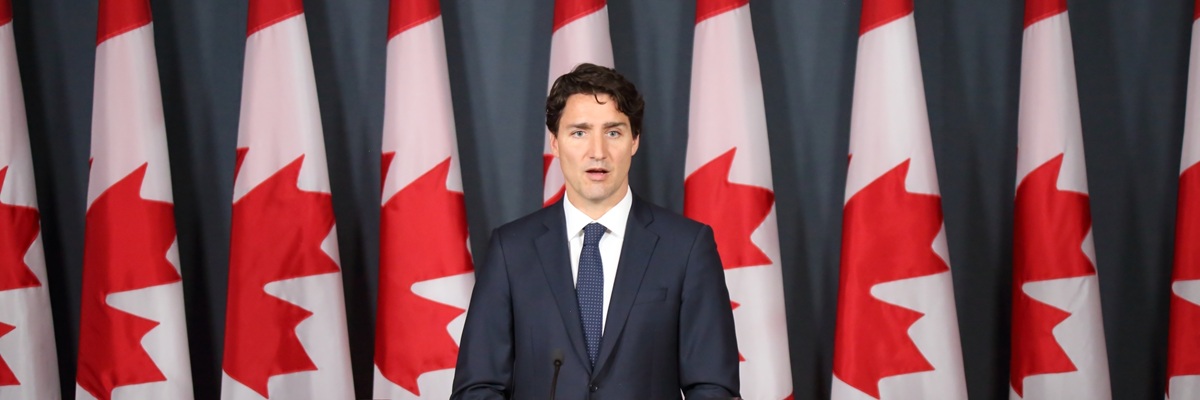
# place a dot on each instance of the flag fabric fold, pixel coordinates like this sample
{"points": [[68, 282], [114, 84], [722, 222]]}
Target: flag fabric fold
{"points": [[896, 335], [580, 36], [1057, 336], [285, 326], [134, 341], [728, 186], [1183, 339], [28, 361], [425, 269]]}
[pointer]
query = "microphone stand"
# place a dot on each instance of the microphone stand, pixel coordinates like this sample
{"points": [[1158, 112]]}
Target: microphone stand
{"points": [[558, 360]]}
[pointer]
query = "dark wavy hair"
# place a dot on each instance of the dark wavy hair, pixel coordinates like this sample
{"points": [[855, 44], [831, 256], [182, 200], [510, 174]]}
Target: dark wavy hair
{"points": [[594, 79]]}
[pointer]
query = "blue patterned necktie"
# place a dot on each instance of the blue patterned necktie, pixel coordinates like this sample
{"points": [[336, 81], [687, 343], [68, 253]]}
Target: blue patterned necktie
{"points": [[589, 289]]}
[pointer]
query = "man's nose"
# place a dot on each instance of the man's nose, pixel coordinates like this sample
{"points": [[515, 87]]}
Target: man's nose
{"points": [[597, 147]]}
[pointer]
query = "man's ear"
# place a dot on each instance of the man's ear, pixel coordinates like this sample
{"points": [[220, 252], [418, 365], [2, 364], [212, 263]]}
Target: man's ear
{"points": [[636, 140], [553, 144]]}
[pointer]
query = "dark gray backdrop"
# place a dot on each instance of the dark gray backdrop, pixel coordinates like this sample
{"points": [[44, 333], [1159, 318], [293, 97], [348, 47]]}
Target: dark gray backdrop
{"points": [[1132, 73]]}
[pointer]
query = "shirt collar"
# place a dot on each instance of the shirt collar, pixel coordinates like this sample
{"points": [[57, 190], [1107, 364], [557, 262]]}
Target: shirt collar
{"points": [[614, 219]]}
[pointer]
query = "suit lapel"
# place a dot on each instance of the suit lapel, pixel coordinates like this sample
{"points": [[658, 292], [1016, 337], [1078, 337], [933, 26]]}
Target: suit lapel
{"points": [[635, 257], [552, 251]]}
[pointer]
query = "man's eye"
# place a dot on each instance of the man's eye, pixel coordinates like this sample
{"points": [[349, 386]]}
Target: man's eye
{"points": [[614, 133], [577, 133]]}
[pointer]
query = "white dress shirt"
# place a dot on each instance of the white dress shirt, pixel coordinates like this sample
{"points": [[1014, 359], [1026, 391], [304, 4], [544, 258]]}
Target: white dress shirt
{"points": [[610, 244]]}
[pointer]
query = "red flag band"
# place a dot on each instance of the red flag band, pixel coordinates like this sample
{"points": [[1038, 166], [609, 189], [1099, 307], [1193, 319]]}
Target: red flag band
{"points": [[897, 330], [425, 270], [1057, 337], [285, 321], [580, 36], [132, 302], [28, 362], [728, 186], [1183, 343]]}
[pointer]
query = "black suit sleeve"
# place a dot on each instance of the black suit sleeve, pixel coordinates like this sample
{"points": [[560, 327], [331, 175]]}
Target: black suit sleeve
{"points": [[485, 354], [708, 354]]}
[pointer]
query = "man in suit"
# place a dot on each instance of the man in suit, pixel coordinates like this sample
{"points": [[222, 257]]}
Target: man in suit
{"points": [[601, 295]]}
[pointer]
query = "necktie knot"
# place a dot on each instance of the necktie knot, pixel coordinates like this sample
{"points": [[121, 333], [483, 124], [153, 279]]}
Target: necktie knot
{"points": [[592, 234]]}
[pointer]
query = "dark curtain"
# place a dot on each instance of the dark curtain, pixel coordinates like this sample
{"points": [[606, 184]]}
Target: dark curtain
{"points": [[1131, 59]]}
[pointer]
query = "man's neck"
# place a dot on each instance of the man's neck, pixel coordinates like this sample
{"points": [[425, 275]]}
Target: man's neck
{"points": [[597, 210]]}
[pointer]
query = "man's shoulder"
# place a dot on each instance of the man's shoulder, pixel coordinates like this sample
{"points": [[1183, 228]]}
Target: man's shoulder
{"points": [[532, 223], [667, 221]]}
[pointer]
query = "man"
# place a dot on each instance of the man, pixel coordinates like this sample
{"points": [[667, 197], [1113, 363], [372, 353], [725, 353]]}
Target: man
{"points": [[601, 295]]}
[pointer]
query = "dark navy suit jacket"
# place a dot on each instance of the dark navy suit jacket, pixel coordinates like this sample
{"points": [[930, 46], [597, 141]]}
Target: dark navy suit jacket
{"points": [[669, 329]]}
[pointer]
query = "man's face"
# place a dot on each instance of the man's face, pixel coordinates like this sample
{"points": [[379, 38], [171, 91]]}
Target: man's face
{"points": [[594, 145]]}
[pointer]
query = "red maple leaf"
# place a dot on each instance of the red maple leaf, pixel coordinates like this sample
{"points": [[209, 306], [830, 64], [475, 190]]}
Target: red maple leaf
{"points": [[733, 210], [1048, 231], [7, 377], [423, 237], [1184, 332], [546, 160], [126, 239], [277, 235], [18, 229], [887, 235]]}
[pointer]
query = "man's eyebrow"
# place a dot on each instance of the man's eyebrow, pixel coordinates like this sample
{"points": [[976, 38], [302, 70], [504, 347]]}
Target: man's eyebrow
{"points": [[607, 125]]}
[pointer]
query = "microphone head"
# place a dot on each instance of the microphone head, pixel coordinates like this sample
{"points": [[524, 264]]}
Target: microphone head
{"points": [[557, 355]]}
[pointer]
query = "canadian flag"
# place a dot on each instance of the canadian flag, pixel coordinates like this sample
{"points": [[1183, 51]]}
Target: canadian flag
{"points": [[897, 331], [425, 272], [285, 324], [133, 342], [580, 36], [728, 186], [28, 364], [1057, 336], [1183, 345]]}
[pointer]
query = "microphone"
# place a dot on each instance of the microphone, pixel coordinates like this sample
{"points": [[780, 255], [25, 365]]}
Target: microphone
{"points": [[558, 359]]}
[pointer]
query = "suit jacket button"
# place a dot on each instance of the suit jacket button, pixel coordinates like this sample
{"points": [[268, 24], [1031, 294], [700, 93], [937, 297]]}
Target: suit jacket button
{"points": [[594, 388]]}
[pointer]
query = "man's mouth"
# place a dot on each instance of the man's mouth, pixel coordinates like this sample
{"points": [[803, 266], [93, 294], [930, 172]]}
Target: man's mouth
{"points": [[597, 174]]}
